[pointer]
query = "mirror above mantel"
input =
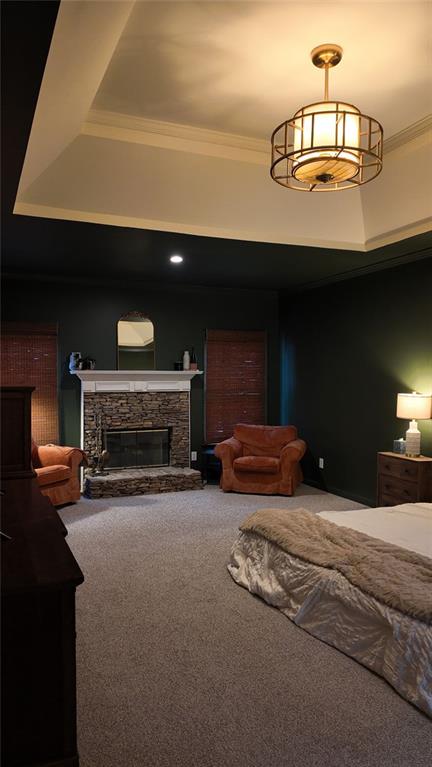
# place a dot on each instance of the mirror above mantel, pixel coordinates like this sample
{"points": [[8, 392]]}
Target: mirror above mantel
{"points": [[135, 342]]}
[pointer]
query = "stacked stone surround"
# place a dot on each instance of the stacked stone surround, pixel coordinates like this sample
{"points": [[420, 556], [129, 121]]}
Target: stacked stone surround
{"points": [[162, 479], [140, 410]]}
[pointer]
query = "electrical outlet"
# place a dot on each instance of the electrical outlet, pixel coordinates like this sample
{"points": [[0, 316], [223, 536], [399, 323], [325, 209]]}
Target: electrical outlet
{"points": [[193, 455], [321, 463]]}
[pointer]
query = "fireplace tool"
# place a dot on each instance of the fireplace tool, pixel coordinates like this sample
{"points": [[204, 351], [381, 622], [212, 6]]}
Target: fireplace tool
{"points": [[99, 461]]}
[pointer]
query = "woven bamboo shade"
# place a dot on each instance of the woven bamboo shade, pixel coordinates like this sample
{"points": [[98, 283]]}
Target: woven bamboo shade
{"points": [[29, 358], [235, 381]]}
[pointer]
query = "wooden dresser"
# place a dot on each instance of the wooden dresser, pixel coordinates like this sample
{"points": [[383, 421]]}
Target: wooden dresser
{"points": [[403, 480], [39, 578]]}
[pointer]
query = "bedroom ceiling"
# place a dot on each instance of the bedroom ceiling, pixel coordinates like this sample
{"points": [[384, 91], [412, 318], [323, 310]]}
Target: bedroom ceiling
{"points": [[243, 67], [105, 159]]}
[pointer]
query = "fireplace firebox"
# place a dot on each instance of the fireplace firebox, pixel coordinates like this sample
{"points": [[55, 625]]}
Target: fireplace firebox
{"points": [[137, 448]]}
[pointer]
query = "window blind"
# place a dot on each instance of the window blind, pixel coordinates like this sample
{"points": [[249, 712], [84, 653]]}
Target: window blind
{"points": [[29, 358], [235, 381]]}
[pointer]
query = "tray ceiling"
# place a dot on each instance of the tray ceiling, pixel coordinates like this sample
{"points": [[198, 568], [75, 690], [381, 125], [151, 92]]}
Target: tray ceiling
{"points": [[243, 67], [157, 115]]}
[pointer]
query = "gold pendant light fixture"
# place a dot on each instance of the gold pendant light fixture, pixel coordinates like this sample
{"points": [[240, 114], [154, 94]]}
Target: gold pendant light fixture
{"points": [[329, 145]]}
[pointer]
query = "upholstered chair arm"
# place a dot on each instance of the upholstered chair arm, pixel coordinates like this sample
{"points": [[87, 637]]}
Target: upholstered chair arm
{"points": [[293, 452], [228, 450], [51, 455]]}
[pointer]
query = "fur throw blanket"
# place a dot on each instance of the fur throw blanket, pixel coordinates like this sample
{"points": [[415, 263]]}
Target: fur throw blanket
{"points": [[396, 577]]}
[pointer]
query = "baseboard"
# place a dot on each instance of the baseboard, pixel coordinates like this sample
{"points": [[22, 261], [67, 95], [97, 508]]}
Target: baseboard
{"points": [[342, 493]]}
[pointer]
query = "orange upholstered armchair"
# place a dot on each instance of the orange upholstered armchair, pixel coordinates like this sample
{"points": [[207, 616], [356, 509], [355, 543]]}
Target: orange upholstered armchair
{"points": [[261, 459], [57, 471]]}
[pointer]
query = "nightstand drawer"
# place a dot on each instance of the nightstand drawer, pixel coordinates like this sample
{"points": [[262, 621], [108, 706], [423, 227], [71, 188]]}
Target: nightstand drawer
{"points": [[398, 488], [398, 467]]}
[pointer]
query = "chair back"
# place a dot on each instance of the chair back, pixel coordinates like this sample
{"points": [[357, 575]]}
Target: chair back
{"points": [[264, 440], [35, 455]]}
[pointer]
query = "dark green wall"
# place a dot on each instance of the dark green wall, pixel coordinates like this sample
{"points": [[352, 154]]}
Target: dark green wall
{"points": [[348, 349], [87, 317]]}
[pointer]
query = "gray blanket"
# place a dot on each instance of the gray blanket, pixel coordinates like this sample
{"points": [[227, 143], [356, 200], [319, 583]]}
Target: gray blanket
{"points": [[398, 578]]}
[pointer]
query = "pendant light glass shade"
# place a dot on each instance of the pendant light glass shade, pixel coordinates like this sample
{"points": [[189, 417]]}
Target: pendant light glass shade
{"points": [[326, 146], [327, 124]]}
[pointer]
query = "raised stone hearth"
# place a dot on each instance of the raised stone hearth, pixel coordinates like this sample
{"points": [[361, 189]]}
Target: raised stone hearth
{"points": [[163, 479]]}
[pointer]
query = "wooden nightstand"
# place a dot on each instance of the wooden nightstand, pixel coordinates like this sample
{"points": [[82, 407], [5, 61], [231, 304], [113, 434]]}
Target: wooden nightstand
{"points": [[403, 480]]}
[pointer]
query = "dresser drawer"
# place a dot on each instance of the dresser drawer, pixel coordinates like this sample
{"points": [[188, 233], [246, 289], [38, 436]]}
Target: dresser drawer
{"points": [[398, 488], [398, 467], [388, 500]]}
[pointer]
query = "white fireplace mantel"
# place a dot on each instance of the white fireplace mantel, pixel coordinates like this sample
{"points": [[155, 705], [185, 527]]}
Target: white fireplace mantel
{"points": [[136, 380]]}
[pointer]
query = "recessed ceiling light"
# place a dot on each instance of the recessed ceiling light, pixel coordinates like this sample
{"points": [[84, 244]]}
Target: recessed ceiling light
{"points": [[176, 259]]}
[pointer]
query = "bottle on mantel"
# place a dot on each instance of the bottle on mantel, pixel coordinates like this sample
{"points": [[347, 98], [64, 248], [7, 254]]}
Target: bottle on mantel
{"points": [[186, 360], [193, 360]]}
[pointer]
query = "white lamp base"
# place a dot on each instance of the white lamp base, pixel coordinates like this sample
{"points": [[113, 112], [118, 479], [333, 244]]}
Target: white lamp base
{"points": [[412, 447]]}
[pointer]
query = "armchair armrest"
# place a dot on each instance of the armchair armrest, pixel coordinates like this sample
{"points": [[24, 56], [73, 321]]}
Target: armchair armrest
{"points": [[293, 452], [228, 450], [51, 455]]}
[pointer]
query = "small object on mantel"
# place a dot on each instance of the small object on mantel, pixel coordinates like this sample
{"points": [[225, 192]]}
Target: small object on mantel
{"points": [[74, 360], [178, 365], [193, 360], [88, 363], [186, 360]]}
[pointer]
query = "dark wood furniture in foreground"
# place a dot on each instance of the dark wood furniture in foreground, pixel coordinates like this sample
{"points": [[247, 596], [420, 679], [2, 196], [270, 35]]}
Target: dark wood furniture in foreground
{"points": [[39, 578], [403, 480]]}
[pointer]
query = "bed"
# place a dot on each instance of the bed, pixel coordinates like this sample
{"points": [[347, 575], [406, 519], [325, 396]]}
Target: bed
{"points": [[387, 634]]}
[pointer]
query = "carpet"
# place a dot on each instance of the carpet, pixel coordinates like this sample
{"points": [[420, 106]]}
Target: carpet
{"points": [[179, 667]]}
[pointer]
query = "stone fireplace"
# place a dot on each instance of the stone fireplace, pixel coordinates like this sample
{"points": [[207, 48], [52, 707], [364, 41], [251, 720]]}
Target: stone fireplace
{"points": [[130, 411]]}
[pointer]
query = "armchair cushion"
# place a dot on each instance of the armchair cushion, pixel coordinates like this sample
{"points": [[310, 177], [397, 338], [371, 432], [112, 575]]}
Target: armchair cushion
{"points": [[260, 464]]}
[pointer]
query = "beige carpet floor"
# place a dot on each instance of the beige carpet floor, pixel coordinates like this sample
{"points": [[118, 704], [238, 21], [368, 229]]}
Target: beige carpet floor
{"points": [[180, 667]]}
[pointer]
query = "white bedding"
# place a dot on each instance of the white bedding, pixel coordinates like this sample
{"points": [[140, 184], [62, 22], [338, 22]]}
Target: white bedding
{"points": [[408, 525], [325, 604]]}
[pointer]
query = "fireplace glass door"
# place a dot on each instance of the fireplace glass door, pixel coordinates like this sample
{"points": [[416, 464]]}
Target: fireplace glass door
{"points": [[137, 449]]}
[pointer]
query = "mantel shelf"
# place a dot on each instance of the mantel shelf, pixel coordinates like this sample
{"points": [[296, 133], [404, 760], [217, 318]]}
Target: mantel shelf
{"points": [[136, 380]]}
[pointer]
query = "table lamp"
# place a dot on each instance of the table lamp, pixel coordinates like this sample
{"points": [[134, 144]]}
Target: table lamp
{"points": [[416, 407]]}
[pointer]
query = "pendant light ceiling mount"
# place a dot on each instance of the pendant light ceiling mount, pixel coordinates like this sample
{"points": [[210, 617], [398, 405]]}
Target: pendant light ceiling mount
{"points": [[328, 145], [328, 55]]}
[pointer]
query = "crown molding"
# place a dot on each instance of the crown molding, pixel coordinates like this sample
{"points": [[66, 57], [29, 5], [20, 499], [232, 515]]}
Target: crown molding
{"points": [[187, 138], [112, 219], [401, 233], [408, 134], [362, 271]]}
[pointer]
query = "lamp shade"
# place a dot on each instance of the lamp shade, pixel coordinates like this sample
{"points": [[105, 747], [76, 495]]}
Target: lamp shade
{"points": [[416, 406]]}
